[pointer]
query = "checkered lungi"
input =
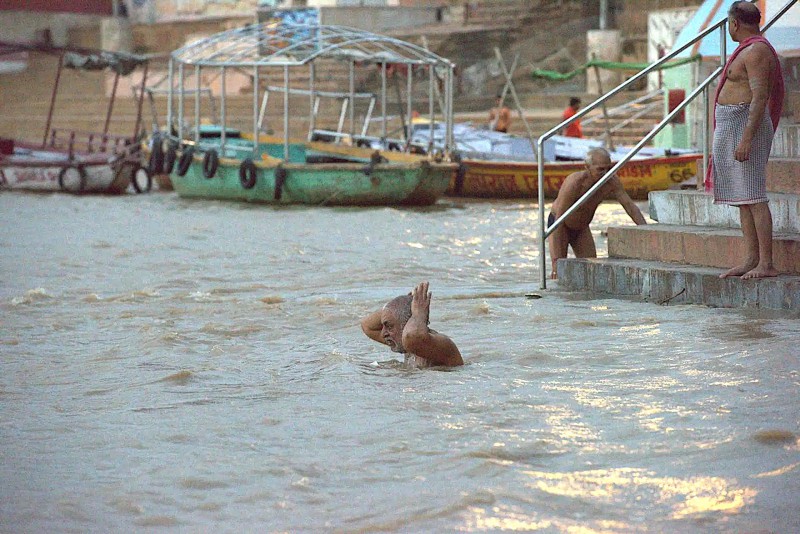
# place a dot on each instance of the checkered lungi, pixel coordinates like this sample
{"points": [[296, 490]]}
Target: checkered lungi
{"points": [[740, 182]]}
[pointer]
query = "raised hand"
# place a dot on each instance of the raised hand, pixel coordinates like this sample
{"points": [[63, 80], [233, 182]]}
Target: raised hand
{"points": [[421, 303]]}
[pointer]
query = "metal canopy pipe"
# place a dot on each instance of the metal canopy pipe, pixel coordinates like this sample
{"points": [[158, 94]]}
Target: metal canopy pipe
{"points": [[449, 118], [180, 101], [170, 95], [723, 42], [368, 117], [53, 99], [312, 124], [222, 114], [409, 88], [430, 107], [141, 102], [286, 113], [197, 105], [342, 115], [352, 102], [111, 103], [263, 112], [255, 110], [383, 102]]}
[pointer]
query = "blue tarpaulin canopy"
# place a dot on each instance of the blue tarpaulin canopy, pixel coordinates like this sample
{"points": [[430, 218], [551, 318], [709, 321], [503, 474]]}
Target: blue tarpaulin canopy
{"points": [[784, 34]]}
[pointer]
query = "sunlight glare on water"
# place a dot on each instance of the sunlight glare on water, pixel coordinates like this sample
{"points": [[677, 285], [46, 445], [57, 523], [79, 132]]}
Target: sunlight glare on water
{"points": [[199, 366]]}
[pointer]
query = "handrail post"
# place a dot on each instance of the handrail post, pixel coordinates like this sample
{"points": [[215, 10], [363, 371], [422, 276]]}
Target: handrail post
{"points": [[705, 134], [723, 44], [542, 252]]}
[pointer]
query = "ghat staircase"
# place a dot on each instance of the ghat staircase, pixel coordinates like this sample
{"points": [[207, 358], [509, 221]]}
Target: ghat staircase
{"points": [[679, 259]]}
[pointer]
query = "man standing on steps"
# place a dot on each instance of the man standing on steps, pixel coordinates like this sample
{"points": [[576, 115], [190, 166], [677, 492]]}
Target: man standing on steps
{"points": [[747, 108]]}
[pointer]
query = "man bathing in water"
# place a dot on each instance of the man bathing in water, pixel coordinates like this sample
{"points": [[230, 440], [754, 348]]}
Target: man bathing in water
{"points": [[575, 230], [747, 109], [402, 324]]}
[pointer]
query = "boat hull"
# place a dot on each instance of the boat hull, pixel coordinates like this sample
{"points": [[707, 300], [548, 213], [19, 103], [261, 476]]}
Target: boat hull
{"points": [[497, 179], [78, 177], [420, 183]]}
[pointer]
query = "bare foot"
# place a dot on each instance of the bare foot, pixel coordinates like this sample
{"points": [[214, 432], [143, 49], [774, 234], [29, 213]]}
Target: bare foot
{"points": [[739, 270], [760, 272]]}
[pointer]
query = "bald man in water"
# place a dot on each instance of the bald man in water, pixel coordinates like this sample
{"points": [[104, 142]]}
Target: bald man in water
{"points": [[402, 324], [575, 231]]}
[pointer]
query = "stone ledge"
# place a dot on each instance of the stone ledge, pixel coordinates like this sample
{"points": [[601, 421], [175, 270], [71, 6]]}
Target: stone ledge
{"points": [[696, 245], [783, 175], [695, 208], [666, 283]]}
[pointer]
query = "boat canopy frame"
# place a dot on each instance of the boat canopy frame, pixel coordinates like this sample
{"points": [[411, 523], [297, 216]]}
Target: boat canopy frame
{"points": [[287, 46]]}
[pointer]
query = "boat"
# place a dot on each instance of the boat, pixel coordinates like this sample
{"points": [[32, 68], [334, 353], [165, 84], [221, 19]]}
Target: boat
{"points": [[216, 160], [70, 160], [499, 165], [515, 179]]}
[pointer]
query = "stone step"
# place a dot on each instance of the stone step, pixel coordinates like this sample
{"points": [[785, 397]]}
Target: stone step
{"points": [[782, 175], [696, 208], [669, 283], [695, 245]]}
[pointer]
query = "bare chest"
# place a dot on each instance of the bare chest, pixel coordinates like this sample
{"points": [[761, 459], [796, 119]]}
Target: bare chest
{"points": [[737, 73]]}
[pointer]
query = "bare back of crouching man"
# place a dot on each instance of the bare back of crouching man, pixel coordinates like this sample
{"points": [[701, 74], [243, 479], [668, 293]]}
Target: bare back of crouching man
{"points": [[575, 231], [402, 324]]}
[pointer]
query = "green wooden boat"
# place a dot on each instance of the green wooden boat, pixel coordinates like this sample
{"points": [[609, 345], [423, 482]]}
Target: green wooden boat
{"points": [[268, 179], [217, 161]]}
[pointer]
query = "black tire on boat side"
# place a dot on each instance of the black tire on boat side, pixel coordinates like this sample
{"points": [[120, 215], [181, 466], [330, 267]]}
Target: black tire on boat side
{"points": [[186, 161], [461, 172], [170, 158], [156, 162], [135, 183], [247, 174], [210, 163], [280, 180], [81, 182]]}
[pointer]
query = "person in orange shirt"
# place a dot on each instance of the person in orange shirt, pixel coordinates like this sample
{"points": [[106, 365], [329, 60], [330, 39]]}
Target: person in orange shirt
{"points": [[574, 129], [499, 116]]}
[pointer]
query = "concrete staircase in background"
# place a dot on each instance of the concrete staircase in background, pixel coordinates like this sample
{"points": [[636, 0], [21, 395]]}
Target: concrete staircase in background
{"points": [[679, 260]]}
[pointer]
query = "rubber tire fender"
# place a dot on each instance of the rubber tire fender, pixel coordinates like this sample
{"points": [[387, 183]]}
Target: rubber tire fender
{"points": [[280, 181], [210, 163], [461, 172], [247, 174], [156, 162], [186, 161], [81, 173], [136, 187], [170, 158]]}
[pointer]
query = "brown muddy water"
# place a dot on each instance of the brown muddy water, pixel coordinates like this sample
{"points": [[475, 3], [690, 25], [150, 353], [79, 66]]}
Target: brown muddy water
{"points": [[174, 365]]}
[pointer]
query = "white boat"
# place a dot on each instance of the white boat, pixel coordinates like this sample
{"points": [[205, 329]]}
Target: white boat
{"points": [[69, 160]]}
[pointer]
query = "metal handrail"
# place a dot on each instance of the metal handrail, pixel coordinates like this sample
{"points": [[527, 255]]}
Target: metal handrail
{"points": [[545, 231]]}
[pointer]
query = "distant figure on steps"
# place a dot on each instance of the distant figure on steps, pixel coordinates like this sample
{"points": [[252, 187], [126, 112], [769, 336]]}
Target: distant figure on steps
{"points": [[574, 129], [499, 116]]}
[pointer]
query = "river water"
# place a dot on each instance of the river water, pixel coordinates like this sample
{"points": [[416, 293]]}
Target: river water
{"points": [[198, 367]]}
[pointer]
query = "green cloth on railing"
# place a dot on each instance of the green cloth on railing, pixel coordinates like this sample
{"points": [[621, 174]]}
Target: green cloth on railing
{"points": [[611, 65]]}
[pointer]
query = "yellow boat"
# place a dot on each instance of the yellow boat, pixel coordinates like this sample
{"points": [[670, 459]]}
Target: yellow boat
{"points": [[508, 179]]}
